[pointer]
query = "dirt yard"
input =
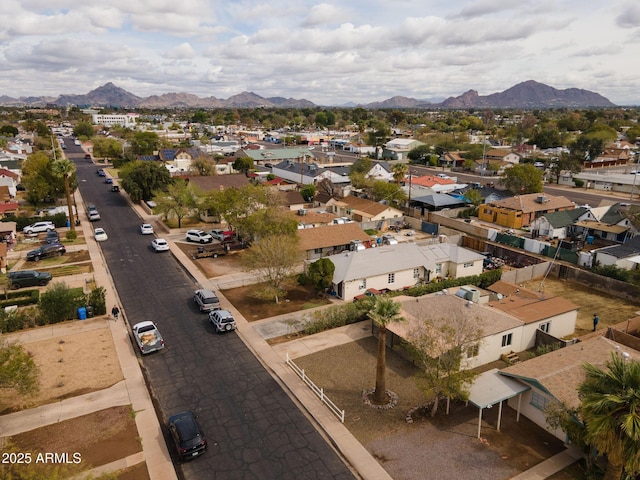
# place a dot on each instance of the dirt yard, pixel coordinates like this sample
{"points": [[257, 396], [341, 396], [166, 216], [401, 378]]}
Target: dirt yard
{"points": [[213, 267], [299, 297], [100, 437], [68, 368], [610, 309], [445, 446]]}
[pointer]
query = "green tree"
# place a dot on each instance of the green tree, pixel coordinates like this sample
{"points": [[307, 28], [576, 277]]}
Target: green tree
{"points": [[243, 164], [234, 204], [178, 200], [83, 130], [106, 147], [610, 410], [199, 117], [18, 371], [268, 221], [440, 346], [391, 192], [474, 196], [38, 178], [566, 163], [8, 131], [275, 258], [384, 312], [421, 154], [141, 178], [633, 134], [320, 273], [145, 143], [379, 136], [65, 169], [308, 192], [522, 179]]}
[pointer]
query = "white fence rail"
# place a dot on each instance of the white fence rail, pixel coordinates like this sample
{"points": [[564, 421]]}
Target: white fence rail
{"points": [[317, 390]]}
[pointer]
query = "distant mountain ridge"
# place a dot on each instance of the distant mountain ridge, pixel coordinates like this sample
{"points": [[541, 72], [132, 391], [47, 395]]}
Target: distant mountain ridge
{"points": [[529, 94]]}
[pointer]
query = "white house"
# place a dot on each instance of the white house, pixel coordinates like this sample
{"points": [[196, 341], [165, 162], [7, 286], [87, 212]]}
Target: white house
{"points": [[305, 174], [128, 120], [395, 267], [557, 224], [625, 256]]}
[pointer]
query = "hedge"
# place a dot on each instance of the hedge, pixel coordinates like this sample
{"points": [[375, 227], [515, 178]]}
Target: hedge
{"points": [[25, 297]]}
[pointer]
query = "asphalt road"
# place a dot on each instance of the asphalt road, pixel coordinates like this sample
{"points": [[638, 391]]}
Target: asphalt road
{"points": [[254, 430]]}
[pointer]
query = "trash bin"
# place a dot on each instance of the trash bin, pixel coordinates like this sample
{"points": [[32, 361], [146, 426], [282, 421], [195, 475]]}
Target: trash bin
{"points": [[77, 222], [89, 311], [82, 313], [68, 223]]}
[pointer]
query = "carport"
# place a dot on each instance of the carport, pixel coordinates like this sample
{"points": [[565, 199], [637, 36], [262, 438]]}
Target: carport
{"points": [[490, 388]]}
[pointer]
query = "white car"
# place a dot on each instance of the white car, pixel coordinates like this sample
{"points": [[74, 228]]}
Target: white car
{"points": [[38, 227], [160, 245], [198, 236], [146, 229], [100, 235]]}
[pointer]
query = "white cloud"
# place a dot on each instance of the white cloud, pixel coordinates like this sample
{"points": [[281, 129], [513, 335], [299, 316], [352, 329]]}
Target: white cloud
{"points": [[181, 52]]}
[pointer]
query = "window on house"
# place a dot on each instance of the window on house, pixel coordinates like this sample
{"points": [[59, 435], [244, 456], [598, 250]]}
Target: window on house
{"points": [[439, 268], [468, 265], [539, 401], [317, 250], [363, 284], [506, 339], [391, 278], [545, 327], [416, 273], [473, 350]]}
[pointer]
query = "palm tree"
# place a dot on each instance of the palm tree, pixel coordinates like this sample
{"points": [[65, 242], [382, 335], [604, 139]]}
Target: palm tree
{"points": [[65, 168], [610, 410], [399, 171], [383, 312]]}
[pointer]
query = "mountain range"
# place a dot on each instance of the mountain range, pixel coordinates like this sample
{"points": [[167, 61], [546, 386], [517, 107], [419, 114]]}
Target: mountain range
{"points": [[525, 95]]}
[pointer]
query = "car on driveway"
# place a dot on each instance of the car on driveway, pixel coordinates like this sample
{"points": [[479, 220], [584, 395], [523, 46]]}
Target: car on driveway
{"points": [[198, 236], [52, 237], [221, 235], [160, 245], [187, 435], [46, 251], [222, 320], [146, 229], [100, 235], [38, 227], [206, 300], [28, 278]]}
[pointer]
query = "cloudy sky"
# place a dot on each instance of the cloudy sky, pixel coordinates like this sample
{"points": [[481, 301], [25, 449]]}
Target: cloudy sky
{"points": [[330, 52]]}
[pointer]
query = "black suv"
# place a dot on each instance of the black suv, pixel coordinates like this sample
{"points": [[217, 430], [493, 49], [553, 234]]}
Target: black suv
{"points": [[46, 251], [28, 278], [187, 435], [52, 237]]}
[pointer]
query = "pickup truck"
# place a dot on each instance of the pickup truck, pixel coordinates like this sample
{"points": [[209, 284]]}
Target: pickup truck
{"points": [[147, 337]]}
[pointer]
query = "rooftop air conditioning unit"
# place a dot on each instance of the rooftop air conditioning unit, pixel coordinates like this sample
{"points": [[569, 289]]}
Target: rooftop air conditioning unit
{"points": [[302, 211], [542, 199]]}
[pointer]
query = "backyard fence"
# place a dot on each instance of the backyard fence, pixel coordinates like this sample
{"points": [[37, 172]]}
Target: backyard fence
{"points": [[317, 390]]}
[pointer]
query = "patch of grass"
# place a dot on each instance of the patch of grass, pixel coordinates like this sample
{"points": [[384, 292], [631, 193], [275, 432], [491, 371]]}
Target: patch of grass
{"points": [[307, 306]]}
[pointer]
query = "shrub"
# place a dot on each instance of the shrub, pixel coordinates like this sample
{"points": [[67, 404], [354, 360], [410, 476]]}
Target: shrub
{"points": [[71, 235], [578, 183], [97, 300], [336, 316], [481, 281], [13, 321], [24, 297], [59, 303]]}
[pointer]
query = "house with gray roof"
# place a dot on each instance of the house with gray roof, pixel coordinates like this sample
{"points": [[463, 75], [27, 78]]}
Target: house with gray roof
{"points": [[625, 256], [306, 173], [277, 155], [395, 267]]}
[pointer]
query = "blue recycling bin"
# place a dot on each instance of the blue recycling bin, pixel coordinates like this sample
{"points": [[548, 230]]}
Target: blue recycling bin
{"points": [[590, 239], [82, 313]]}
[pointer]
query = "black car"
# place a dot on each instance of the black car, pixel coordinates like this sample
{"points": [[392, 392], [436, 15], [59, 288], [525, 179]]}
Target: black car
{"points": [[28, 278], [52, 237], [46, 251], [187, 435]]}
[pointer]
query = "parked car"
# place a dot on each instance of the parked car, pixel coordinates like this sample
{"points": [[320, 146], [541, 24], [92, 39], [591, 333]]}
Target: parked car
{"points": [[87, 156], [160, 245], [38, 227], [52, 237], [206, 300], [198, 236], [46, 251], [147, 337], [28, 278], [222, 320], [115, 188], [108, 180], [221, 235], [187, 435], [101, 172], [100, 235], [146, 229]]}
